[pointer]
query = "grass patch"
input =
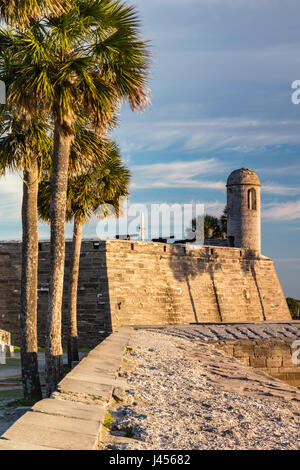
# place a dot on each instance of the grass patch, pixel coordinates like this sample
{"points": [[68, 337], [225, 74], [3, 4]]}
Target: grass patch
{"points": [[19, 402], [13, 394], [17, 349], [11, 361], [129, 432], [108, 420], [11, 380], [67, 369]]}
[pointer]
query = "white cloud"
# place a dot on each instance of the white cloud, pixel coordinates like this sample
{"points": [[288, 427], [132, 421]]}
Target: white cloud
{"points": [[240, 134], [180, 174], [185, 174], [231, 134], [280, 189], [282, 211]]}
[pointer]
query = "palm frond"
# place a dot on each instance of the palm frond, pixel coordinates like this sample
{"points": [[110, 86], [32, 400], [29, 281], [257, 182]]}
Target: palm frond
{"points": [[21, 13], [88, 59], [98, 187]]}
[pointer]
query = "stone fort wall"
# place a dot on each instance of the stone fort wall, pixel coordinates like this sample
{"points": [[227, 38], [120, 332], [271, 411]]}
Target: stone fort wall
{"points": [[143, 283], [275, 357]]}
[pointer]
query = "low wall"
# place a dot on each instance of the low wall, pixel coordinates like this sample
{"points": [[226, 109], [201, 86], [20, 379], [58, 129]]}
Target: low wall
{"points": [[272, 356], [73, 417], [144, 283]]}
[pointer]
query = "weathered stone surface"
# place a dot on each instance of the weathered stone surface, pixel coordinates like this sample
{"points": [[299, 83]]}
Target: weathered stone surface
{"points": [[226, 404], [119, 394], [59, 432], [263, 351], [274, 362], [162, 284], [72, 419], [91, 377], [8, 444], [243, 209], [258, 362], [71, 409], [97, 367], [63, 423], [100, 391]]}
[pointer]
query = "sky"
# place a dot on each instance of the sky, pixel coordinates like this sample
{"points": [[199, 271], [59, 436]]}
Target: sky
{"points": [[221, 93]]}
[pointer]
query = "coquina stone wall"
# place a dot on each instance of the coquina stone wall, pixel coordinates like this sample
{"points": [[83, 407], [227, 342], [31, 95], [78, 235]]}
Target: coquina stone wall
{"points": [[143, 283], [275, 357]]}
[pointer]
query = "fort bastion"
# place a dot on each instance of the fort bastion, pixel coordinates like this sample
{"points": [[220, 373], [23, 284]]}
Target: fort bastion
{"points": [[145, 283]]}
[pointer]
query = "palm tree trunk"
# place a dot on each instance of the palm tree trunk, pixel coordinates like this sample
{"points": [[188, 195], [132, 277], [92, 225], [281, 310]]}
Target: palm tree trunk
{"points": [[59, 183], [28, 317], [73, 285]]}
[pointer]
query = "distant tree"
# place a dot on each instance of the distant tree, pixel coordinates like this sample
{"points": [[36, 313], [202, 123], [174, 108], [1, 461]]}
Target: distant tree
{"points": [[210, 226], [223, 222], [294, 306]]}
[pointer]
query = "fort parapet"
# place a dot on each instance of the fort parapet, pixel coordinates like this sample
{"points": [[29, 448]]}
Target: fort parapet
{"points": [[145, 283]]}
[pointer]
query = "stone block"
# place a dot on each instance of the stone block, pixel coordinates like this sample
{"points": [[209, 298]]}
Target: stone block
{"points": [[243, 349], [12, 444], [258, 362], [245, 360], [287, 362], [274, 361], [84, 387], [70, 409], [57, 432]]}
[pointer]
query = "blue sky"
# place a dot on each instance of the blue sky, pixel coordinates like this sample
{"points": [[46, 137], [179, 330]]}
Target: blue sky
{"points": [[221, 100]]}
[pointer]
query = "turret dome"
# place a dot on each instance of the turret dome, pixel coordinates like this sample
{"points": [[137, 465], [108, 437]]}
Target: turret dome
{"points": [[243, 176]]}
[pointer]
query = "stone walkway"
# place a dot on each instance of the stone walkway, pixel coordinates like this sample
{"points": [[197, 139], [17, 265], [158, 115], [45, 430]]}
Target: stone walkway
{"points": [[189, 395], [237, 331], [72, 418], [11, 388], [166, 388]]}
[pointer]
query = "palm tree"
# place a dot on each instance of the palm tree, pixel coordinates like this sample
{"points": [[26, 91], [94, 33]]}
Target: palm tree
{"points": [[102, 185], [87, 60], [23, 145], [21, 13], [208, 226], [223, 222]]}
